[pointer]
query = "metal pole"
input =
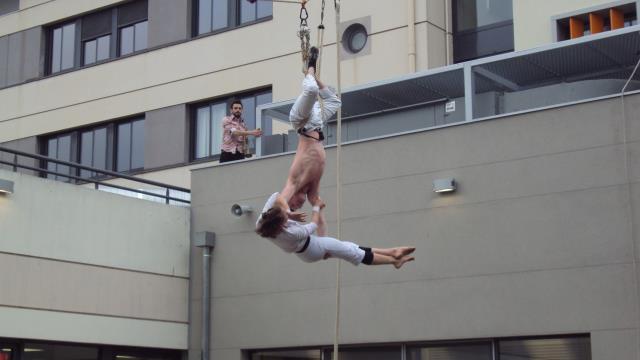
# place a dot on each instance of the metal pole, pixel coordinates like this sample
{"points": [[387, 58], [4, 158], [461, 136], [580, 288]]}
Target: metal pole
{"points": [[206, 241], [206, 301]]}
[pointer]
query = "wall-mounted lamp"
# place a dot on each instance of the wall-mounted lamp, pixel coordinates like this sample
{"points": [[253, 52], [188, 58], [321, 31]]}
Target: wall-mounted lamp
{"points": [[6, 187], [239, 210], [444, 185]]}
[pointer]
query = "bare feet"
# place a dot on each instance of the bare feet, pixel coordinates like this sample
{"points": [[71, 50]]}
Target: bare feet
{"points": [[399, 262], [402, 251]]}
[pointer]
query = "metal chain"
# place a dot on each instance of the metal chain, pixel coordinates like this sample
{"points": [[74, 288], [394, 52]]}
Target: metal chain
{"points": [[304, 34]]}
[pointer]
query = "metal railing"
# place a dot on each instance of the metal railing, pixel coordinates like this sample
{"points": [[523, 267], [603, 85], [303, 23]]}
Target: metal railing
{"points": [[97, 181]]}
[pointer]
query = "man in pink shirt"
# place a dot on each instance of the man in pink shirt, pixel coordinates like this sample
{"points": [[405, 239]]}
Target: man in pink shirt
{"points": [[234, 133]]}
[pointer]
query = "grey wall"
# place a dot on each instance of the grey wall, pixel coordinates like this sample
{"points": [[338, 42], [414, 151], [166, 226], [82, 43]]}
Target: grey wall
{"points": [[536, 241], [166, 137], [29, 145], [169, 21], [7, 6], [21, 56]]}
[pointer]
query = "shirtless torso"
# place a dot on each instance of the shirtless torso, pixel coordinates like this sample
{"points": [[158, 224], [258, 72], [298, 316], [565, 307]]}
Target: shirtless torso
{"points": [[305, 172]]}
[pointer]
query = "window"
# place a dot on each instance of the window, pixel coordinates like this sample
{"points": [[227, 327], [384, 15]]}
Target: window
{"points": [[253, 11], [481, 28], [63, 47], [313, 354], [96, 37], [207, 124], [575, 347], [60, 147], [8, 351], [462, 351], [94, 150], [41, 351], [96, 50], [130, 148], [22, 349], [566, 348], [354, 38], [97, 147], [216, 15], [133, 38], [605, 19]]}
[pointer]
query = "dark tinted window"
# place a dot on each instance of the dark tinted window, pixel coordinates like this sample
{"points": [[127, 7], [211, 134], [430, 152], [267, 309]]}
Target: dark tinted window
{"points": [[63, 47], [59, 352], [130, 149], [213, 15]]}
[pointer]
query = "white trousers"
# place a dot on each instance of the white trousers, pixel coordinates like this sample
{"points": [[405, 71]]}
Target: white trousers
{"points": [[319, 246], [306, 111]]}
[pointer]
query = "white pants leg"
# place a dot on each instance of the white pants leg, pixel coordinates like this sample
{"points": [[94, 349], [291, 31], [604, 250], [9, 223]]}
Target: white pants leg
{"points": [[319, 246], [301, 110], [320, 114]]}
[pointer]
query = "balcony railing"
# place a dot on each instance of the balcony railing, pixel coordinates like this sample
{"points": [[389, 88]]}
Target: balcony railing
{"points": [[100, 178]]}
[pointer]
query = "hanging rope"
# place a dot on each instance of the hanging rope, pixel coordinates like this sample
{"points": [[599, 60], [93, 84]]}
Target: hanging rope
{"points": [[320, 41], [338, 177]]}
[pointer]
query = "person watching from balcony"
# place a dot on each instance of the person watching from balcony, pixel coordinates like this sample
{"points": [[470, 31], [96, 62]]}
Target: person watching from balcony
{"points": [[234, 134]]}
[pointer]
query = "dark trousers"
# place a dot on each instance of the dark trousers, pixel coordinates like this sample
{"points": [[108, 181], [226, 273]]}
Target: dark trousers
{"points": [[229, 156]]}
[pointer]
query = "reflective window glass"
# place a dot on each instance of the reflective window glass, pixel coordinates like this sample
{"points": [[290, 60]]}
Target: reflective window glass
{"points": [[36, 351], [137, 144], [140, 36], [451, 352], [90, 48], [124, 147], [248, 11], [126, 40], [104, 44], [203, 129], [576, 348], [218, 111], [472, 14], [68, 46]]}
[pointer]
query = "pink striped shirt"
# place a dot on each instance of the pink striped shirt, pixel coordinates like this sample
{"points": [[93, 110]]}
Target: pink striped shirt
{"points": [[232, 143]]}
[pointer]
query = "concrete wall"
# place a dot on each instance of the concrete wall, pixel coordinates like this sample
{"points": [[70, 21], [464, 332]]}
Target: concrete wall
{"points": [[538, 239], [112, 269], [532, 20]]}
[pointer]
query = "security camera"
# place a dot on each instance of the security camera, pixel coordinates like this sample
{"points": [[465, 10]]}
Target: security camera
{"points": [[239, 210]]}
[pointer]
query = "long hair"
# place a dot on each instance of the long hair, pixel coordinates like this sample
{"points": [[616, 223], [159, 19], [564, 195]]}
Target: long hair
{"points": [[272, 223]]}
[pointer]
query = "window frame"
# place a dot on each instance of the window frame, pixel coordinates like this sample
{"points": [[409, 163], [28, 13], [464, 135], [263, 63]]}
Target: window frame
{"points": [[119, 38], [233, 19], [50, 46], [104, 352], [76, 148], [116, 139], [493, 345], [227, 100], [457, 34], [79, 51]]}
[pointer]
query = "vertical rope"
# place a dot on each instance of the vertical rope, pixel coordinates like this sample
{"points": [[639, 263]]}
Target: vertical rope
{"points": [[338, 177]]}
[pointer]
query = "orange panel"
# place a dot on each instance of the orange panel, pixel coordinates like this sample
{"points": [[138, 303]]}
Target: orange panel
{"points": [[596, 23], [576, 28], [617, 19]]}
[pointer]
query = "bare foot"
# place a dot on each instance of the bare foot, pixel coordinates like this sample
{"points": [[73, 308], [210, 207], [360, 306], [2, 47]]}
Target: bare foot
{"points": [[399, 252], [398, 263]]}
